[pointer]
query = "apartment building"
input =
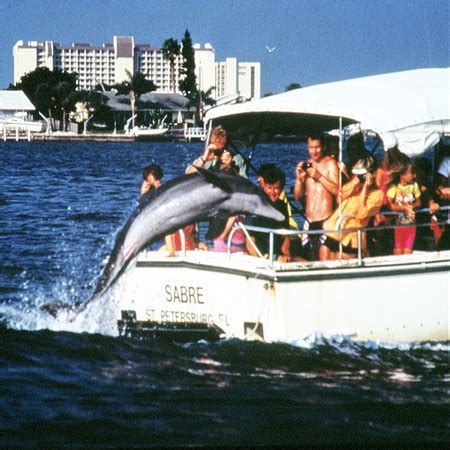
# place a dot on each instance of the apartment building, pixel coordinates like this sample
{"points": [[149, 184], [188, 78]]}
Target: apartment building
{"points": [[109, 63]]}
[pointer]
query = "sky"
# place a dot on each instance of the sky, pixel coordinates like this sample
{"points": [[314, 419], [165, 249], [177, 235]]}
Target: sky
{"points": [[316, 41]]}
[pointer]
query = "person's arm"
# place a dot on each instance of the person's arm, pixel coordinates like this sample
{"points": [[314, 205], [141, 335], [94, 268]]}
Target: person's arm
{"points": [[285, 250], [329, 179], [250, 248], [299, 186], [228, 226], [348, 188], [369, 202], [208, 155], [170, 244], [241, 165]]}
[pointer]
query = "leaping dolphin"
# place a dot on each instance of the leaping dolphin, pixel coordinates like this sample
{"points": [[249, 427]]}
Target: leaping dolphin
{"points": [[184, 200]]}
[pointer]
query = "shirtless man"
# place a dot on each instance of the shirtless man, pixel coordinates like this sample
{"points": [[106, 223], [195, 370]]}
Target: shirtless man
{"points": [[318, 180]]}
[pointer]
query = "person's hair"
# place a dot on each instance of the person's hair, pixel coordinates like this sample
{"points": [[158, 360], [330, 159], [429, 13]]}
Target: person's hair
{"points": [[367, 163], [316, 136], [331, 144], [423, 169], [355, 148], [219, 133], [153, 169], [270, 173], [403, 164]]}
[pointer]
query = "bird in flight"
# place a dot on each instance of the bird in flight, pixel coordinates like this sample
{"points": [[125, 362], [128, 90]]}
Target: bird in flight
{"points": [[270, 50]]}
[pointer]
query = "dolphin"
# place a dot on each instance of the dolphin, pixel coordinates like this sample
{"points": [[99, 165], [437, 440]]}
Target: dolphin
{"points": [[182, 201]]}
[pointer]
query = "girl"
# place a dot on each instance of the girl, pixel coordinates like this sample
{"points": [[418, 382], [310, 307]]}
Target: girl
{"points": [[404, 197]]}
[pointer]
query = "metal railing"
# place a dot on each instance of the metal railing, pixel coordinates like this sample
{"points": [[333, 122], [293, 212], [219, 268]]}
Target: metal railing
{"points": [[359, 230]]}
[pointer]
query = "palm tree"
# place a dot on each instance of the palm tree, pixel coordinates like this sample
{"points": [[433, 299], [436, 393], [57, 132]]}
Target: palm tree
{"points": [[135, 86], [170, 51], [199, 99]]}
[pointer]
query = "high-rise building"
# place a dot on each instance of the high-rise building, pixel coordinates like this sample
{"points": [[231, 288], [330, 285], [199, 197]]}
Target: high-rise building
{"points": [[110, 63]]}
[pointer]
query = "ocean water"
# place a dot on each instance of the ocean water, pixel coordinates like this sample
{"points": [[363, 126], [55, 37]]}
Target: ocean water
{"points": [[76, 383]]}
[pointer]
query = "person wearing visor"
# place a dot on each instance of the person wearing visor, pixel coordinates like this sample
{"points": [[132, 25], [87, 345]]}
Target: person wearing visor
{"points": [[217, 154], [361, 199]]}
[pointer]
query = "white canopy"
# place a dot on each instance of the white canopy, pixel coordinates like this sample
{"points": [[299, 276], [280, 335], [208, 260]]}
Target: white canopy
{"points": [[411, 108]]}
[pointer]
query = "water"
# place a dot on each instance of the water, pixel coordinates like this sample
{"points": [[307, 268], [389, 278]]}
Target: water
{"points": [[78, 384]]}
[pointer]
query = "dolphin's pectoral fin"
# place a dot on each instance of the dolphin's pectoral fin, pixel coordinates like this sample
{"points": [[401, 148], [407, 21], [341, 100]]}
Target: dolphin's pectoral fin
{"points": [[212, 178]]}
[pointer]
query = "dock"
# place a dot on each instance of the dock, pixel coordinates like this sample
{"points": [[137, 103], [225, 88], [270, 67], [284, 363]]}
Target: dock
{"points": [[192, 134]]}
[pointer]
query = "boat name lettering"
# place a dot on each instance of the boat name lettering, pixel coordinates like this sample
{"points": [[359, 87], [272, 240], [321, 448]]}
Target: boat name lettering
{"points": [[188, 317], [184, 294]]}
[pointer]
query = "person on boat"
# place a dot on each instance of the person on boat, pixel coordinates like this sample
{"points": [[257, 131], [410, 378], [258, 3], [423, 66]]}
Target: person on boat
{"points": [[262, 175], [424, 233], [273, 183], [355, 148], [188, 234], [212, 156], [152, 175], [317, 182], [219, 227], [380, 240], [443, 193], [360, 200], [332, 149], [404, 197], [295, 241]]}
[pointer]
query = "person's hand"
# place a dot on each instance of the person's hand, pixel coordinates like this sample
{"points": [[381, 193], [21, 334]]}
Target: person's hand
{"points": [[145, 187], [368, 180], [284, 258], [208, 154], [313, 172], [434, 207], [301, 174], [410, 214]]}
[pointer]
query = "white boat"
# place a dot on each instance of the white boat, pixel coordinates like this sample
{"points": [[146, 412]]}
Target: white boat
{"points": [[388, 299], [142, 132], [20, 123]]}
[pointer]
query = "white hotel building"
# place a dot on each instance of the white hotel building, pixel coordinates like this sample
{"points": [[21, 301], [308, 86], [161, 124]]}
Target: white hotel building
{"points": [[108, 64]]}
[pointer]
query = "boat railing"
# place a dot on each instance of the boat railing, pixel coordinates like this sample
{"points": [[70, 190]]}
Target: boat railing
{"points": [[271, 232]]}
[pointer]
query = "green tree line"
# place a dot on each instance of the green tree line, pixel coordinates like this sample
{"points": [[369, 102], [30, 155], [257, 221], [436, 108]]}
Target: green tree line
{"points": [[55, 94]]}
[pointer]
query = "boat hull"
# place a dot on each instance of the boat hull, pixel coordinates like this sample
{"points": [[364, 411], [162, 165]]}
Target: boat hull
{"points": [[210, 295]]}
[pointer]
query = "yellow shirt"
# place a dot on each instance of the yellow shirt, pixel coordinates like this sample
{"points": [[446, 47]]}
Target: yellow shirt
{"points": [[292, 223], [372, 204]]}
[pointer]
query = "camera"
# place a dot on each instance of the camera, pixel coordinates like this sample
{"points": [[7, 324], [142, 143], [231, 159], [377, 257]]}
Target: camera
{"points": [[218, 152], [306, 165], [361, 177]]}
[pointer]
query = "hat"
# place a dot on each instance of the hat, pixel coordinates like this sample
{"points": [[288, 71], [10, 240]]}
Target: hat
{"points": [[359, 171]]}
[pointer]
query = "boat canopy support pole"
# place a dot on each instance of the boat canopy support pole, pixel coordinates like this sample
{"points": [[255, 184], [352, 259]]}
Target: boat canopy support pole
{"points": [[340, 182]]}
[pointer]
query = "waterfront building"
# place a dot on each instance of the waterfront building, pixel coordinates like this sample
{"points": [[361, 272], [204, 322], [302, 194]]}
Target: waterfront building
{"points": [[108, 64], [14, 102]]}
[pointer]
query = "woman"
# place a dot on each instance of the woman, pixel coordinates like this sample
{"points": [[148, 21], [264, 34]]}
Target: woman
{"points": [[361, 199]]}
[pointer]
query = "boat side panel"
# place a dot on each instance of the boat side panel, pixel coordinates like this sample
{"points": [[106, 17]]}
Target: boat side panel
{"points": [[397, 308], [225, 301]]}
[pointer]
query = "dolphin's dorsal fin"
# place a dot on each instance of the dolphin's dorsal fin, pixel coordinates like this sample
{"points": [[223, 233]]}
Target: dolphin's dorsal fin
{"points": [[212, 178]]}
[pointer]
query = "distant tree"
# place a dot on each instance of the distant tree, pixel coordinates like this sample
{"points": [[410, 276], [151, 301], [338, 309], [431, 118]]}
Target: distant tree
{"points": [[170, 51], [134, 87], [292, 86], [94, 102], [50, 91], [268, 94], [199, 99], [188, 84]]}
